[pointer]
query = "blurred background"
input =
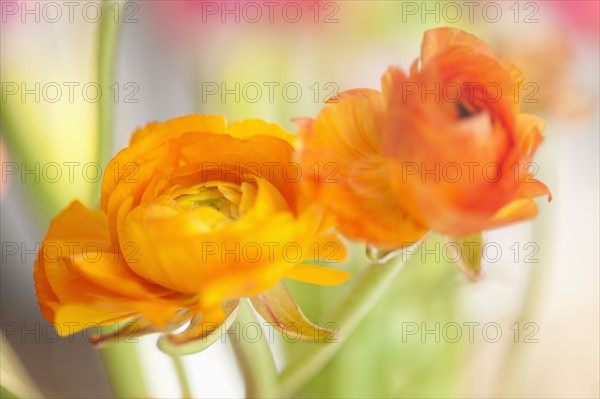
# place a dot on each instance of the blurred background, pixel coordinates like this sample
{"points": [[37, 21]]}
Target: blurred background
{"points": [[529, 329]]}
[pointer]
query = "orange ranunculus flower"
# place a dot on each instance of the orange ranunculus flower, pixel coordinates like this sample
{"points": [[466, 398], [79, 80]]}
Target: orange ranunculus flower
{"points": [[350, 176], [195, 215], [443, 148]]}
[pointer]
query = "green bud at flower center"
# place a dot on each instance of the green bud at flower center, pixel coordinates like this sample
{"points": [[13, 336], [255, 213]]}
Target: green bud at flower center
{"points": [[222, 196]]}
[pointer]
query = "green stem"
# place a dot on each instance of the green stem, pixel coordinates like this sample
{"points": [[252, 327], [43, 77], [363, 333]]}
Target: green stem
{"points": [[124, 370], [255, 358], [121, 360], [184, 383], [107, 54], [368, 288]]}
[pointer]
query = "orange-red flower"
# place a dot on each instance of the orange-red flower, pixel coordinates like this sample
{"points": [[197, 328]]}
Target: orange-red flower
{"points": [[195, 215], [442, 148]]}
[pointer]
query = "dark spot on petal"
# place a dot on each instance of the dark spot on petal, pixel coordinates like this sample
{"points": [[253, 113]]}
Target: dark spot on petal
{"points": [[463, 111]]}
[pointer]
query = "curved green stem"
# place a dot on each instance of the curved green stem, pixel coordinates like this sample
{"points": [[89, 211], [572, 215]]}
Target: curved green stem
{"points": [[107, 53], [368, 288], [121, 361], [184, 384], [254, 358]]}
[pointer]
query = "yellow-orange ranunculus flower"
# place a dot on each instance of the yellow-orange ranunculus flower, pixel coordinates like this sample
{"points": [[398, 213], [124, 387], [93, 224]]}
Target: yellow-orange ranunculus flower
{"points": [[195, 215], [443, 148]]}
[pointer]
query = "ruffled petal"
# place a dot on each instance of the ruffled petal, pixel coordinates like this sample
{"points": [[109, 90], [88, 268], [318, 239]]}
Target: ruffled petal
{"points": [[147, 142], [257, 127], [349, 178], [439, 40], [75, 276]]}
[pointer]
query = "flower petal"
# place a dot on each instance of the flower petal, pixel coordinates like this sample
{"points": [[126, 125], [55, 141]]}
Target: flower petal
{"points": [[75, 317], [123, 331], [419, 156], [439, 40], [71, 230], [203, 331], [350, 177], [318, 275], [330, 248], [103, 267], [516, 211], [160, 132], [257, 127], [369, 94], [467, 251], [277, 307], [148, 141], [75, 276]]}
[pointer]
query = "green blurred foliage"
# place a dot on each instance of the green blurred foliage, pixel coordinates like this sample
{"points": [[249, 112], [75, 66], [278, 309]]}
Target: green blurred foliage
{"points": [[379, 359]]}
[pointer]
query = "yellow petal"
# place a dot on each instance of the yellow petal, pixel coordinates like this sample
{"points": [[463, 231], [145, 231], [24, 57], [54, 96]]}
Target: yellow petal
{"points": [[72, 318], [162, 131], [105, 267], [516, 211], [318, 275], [328, 248], [257, 127]]}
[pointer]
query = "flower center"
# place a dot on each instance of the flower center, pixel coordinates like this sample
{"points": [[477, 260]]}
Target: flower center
{"points": [[223, 196]]}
